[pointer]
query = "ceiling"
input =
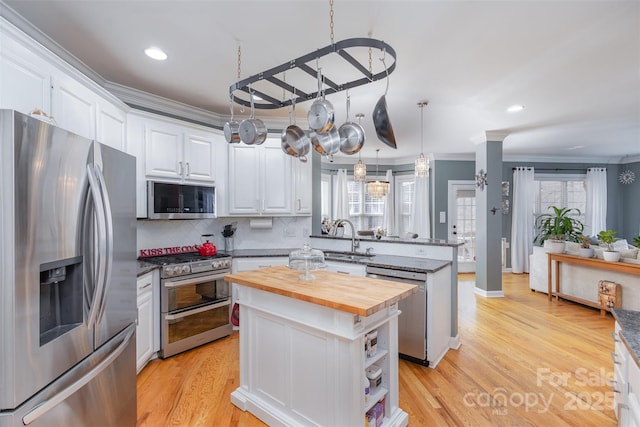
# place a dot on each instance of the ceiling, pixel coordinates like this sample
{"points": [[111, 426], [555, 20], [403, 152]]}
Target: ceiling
{"points": [[574, 65]]}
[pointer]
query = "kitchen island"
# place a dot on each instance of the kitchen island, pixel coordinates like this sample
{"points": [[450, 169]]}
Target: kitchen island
{"points": [[303, 359]]}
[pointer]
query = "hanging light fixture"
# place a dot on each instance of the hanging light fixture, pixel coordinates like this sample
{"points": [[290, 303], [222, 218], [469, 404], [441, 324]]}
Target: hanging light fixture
{"points": [[377, 189], [359, 169], [422, 163]]}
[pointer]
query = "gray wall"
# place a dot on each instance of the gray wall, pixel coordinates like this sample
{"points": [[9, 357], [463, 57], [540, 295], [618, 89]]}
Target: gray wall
{"points": [[630, 195], [623, 208]]}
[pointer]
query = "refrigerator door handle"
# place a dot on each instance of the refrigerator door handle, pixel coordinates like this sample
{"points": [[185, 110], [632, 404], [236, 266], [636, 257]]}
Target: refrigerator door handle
{"points": [[100, 261], [106, 205], [49, 404]]}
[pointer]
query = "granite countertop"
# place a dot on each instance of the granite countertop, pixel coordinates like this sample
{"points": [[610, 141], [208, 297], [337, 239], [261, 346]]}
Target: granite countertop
{"points": [[358, 295], [145, 267], [418, 265], [387, 239], [630, 323]]}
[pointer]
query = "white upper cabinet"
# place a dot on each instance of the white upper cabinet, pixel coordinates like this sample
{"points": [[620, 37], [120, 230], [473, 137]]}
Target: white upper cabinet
{"points": [[25, 79], [31, 78], [111, 125], [302, 187], [74, 106], [179, 152], [259, 179]]}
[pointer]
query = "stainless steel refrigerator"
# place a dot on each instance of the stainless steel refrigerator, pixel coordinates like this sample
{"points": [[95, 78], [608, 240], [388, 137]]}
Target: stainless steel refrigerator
{"points": [[67, 278]]}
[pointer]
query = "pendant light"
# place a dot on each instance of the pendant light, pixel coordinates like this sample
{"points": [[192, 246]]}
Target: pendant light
{"points": [[359, 169], [422, 163], [377, 189]]}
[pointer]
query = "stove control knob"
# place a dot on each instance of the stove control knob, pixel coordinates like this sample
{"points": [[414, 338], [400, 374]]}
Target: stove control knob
{"points": [[215, 264], [169, 271], [185, 269], [226, 263]]}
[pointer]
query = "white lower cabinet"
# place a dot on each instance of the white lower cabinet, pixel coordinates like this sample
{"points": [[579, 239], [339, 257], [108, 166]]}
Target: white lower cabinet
{"points": [[346, 268], [625, 383], [147, 331]]}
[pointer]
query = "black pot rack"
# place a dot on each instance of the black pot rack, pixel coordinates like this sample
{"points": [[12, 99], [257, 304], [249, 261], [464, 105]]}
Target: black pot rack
{"points": [[268, 102]]}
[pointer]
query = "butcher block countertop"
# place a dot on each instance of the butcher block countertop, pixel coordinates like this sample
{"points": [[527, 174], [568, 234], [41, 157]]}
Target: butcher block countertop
{"points": [[358, 295]]}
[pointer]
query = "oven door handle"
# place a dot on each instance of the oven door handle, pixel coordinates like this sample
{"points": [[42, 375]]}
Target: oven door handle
{"points": [[191, 281], [196, 310]]}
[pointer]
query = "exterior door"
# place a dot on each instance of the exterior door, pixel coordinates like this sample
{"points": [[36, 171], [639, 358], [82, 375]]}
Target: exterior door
{"points": [[462, 222]]}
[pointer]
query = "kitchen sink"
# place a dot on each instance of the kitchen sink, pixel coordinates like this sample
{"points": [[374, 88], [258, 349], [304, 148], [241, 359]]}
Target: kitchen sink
{"points": [[345, 256]]}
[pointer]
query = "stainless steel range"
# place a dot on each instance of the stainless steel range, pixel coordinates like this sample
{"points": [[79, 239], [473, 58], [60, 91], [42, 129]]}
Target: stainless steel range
{"points": [[194, 300]]}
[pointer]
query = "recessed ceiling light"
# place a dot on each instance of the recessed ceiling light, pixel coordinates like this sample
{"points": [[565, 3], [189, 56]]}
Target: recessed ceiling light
{"points": [[155, 53], [515, 108]]}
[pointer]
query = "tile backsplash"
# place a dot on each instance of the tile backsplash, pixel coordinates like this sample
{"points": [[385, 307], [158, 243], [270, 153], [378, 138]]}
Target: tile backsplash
{"points": [[286, 232]]}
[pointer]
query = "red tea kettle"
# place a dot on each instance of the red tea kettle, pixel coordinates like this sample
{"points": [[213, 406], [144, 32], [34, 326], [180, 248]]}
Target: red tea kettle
{"points": [[207, 248]]}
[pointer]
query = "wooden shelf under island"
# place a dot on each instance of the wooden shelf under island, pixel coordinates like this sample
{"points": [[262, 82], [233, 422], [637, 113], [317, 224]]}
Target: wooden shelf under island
{"points": [[302, 347]]}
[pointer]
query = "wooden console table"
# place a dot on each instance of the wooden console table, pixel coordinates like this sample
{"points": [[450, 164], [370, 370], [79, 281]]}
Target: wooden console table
{"points": [[557, 259]]}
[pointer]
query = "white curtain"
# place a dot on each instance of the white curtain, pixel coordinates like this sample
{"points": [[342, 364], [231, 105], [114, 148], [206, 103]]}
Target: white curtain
{"points": [[388, 218], [420, 223], [341, 198], [522, 226], [596, 214]]}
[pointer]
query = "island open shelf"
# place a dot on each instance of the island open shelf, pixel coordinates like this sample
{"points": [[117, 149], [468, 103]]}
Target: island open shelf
{"points": [[302, 347]]}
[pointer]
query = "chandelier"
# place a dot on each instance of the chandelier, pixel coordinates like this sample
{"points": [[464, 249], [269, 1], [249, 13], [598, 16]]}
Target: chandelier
{"points": [[359, 169], [422, 163], [377, 189]]}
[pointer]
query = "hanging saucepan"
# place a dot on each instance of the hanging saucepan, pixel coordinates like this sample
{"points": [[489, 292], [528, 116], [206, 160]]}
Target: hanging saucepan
{"points": [[295, 141], [231, 128], [351, 134], [252, 131], [327, 143], [321, 114], [381, 122]]}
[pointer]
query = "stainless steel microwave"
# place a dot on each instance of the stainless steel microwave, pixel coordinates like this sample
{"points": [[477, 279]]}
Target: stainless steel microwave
{"points": [[180, 201]]}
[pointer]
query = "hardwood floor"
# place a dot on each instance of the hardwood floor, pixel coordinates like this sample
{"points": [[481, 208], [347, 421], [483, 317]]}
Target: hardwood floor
{"points": [[524, 361]]}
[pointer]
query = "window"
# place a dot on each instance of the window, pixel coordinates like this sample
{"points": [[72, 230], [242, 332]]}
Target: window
{"points": [[560, 191], [405, 186], [367, 213]]}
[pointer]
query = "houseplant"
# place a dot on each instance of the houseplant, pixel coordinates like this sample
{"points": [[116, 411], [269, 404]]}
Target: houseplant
{"points": [[557, 227], [608, 237], [585, 247], [636, 241]]}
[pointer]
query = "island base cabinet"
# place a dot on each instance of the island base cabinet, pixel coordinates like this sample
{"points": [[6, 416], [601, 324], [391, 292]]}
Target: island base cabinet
{"points": [[305, 364]]}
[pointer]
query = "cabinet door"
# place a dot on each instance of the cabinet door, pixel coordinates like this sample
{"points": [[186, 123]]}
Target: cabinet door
{"points": [[244, 186], [163, 150], [74, 106], [144, 330], [111, 125], [199, 151], [302, 187], [25, 85], [276, 183]]}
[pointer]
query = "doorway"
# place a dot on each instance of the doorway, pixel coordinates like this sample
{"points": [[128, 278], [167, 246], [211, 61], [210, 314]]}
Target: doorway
{"points": [[462, 222]]}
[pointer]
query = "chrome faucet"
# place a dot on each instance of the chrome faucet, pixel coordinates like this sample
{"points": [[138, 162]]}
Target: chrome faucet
{"points": [[355, 242]]}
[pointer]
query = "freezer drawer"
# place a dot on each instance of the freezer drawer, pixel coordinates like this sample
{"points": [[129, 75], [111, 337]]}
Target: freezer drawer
{"points": [[99, 391]]}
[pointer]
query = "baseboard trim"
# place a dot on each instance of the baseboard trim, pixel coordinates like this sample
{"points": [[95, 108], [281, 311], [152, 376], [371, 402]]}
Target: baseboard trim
{"points": [[488, 294]]}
